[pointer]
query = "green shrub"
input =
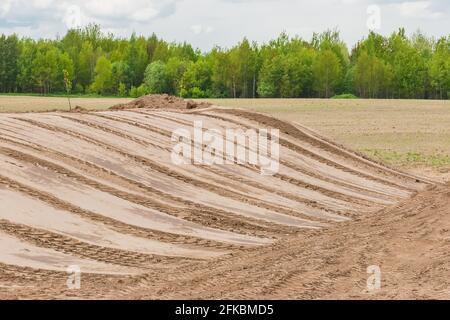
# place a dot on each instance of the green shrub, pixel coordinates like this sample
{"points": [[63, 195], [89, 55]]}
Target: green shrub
{"points": [[138, 92], [156, 78], [122, 90], [133, 92], [345, 96], [78, 89], [142, 90], [195, 93]]}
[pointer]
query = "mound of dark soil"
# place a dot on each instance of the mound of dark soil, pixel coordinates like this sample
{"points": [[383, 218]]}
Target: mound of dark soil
{"points": [[79, 109], [161, 101]]}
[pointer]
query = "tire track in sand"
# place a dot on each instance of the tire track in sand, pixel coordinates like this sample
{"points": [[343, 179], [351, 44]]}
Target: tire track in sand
{"points": [[191, 180], [209, 215]]}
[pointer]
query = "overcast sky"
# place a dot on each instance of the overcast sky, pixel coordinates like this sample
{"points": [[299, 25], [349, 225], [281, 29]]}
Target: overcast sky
{"points": [[206, 23]]}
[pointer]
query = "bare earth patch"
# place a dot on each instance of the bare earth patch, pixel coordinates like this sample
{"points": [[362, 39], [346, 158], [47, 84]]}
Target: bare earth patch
{"points": [[43, 104]]}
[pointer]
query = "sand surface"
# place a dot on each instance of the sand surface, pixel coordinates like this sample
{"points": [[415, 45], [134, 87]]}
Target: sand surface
{"points": [[99, 190]]}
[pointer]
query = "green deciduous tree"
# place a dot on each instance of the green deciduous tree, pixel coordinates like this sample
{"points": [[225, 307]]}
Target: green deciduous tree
{"points": [[103, 76], [372, 76], [157, 78], [175, 69], [327, 73], [439, 69], [397, 66], [9, 70], [45, 70], [197, 81], [137, 59], [86, 63], [120, 74]]}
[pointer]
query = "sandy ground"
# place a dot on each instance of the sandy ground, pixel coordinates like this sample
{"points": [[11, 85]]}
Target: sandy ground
{"points": [[41, 104], [99, 191]]}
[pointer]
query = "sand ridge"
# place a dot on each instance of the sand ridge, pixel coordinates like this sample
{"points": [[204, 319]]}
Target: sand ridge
{"points": [[116, 199]]}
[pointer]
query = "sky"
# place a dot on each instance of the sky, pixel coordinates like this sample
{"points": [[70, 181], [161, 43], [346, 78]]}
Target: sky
{"points": [[206, 23]]}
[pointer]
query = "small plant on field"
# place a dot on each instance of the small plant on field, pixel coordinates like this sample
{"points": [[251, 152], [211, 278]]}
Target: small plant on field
{"points": [[345, 96], [138, 92], [122, 90], [68, 86]]}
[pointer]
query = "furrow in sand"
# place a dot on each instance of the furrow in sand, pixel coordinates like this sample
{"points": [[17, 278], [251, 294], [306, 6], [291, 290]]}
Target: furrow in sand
{"points": [[304, 151], [315, 184], [22, 209], [121, 134], [203, 233], [330, 216], [314, 204], [308, 206], [353, 196], [323, 211], [116, 225], [115, 208], [281, 215], [279, 218], [356, 189], [314, 140], [145, 126], [214, 215], [23, 277], [185, 212], [17, 252], [318, 179], [309, 201], [70, 246], [351, 159]]}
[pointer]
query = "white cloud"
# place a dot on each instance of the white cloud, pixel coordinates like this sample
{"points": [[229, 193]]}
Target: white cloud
{"points": [[42, 4], [198, 29], [137, 10], [417, 9], [40, 16], [350, 1], [73, 17], [145, 14], [5, 6]]}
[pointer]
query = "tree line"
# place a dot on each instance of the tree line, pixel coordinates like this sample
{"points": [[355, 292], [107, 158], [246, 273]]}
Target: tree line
{"points": [[398, 66]]}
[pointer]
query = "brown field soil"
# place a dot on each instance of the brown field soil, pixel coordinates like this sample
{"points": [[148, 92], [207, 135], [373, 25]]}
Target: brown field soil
{"points": [[99, 190], [43, 104], [412, 135]]}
